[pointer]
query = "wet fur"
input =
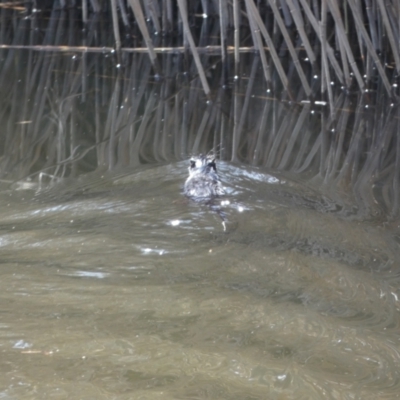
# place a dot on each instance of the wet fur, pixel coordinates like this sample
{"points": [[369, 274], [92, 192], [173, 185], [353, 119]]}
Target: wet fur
{"points": [[203, 182]]}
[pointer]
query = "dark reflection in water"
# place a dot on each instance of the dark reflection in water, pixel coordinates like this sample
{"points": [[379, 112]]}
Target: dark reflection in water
{"points": [[127, 118], [114, 285]]}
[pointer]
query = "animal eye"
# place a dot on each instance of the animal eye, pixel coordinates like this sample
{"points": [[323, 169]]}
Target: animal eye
{"points": [[192, 163]]}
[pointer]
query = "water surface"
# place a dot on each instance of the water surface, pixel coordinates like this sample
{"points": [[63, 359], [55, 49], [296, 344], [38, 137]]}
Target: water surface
{"points": [[113, 285]]}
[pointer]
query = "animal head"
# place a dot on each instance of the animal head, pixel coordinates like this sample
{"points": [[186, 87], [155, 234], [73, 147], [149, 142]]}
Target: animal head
{"points": [[202, 164]]}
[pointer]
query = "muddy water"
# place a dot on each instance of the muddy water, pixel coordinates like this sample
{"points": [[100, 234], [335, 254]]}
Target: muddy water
{"points": [[114, 286]]}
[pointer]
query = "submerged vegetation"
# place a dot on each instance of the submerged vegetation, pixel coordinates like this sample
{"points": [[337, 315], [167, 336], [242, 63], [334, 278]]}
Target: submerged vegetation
{"points": [[298, 86]]}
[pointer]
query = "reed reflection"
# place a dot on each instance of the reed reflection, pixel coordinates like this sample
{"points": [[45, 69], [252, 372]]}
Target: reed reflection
{"points": [[71, 114], [111, 279]]}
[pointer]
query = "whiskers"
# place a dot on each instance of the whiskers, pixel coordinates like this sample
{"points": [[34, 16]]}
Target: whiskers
{"points": [[214, 153]]}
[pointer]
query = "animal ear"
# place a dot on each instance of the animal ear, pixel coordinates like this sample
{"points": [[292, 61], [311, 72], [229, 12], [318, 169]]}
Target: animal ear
{"points": [[212, 164]]}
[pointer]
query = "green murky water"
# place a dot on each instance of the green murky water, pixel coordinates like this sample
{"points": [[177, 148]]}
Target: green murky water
{"points": [[115, 286]]}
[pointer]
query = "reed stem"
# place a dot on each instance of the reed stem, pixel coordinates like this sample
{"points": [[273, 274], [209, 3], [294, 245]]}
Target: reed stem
{"points": [[115, 24], [193, 48], [137, 10]]}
